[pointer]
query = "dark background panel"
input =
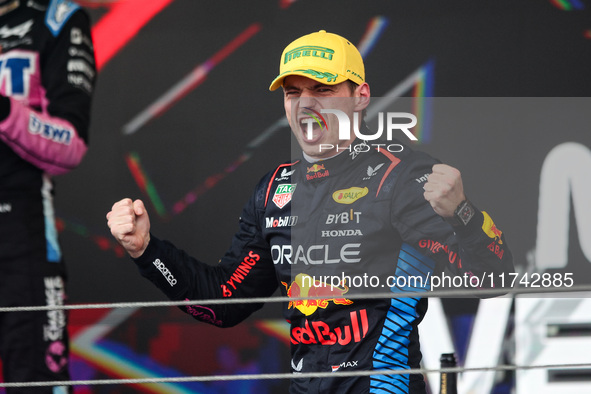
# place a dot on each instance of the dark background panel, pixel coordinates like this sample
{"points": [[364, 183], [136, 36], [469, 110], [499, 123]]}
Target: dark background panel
{"points": [[512, 51], [492, 49]]}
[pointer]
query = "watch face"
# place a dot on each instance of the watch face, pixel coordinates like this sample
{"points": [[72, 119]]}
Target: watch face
{"points": [[465, 213]]}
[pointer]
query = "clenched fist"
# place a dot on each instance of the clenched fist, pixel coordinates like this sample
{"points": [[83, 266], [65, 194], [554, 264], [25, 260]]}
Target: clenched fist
{"points": [[444, 190], [130, 225]]}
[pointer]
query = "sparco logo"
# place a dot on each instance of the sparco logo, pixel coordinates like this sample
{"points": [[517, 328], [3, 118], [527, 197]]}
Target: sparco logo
{"points": [[165, 272], [286, 221]]}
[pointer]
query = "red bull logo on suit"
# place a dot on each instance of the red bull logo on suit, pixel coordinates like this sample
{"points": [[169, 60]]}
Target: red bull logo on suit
{"points": [[306, 286], [319, 332]]}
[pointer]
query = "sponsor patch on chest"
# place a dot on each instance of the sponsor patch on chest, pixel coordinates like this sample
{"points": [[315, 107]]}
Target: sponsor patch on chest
{"points": [[283, 194]]}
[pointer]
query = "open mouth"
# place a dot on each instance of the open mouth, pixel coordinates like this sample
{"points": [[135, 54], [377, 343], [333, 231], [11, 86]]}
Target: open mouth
{"points": [[311, 129]]}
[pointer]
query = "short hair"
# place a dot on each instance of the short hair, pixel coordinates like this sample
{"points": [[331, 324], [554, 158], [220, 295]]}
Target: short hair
{"points": [[352, 86]]}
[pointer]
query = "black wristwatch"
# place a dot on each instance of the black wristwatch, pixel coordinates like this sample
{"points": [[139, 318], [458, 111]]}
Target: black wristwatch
{"points": [[462, 215]]}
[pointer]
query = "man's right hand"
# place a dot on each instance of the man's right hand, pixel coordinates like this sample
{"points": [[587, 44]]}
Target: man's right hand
{"points": [[130, 225]]}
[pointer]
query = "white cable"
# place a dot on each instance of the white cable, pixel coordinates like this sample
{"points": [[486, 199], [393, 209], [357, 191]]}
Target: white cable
{"points": [[303, 375], [483, 293]]}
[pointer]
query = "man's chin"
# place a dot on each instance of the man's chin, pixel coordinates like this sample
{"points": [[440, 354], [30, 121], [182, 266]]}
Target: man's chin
{"points": [[318, 151], [320, 148], [316, 138]]}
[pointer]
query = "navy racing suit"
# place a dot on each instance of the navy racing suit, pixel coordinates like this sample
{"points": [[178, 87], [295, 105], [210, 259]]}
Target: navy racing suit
{"points": [[358, 215], [47, 73]]}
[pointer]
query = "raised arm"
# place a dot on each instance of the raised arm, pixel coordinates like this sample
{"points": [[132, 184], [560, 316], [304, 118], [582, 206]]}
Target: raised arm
{"points": [[246, 269], [435, 218]]}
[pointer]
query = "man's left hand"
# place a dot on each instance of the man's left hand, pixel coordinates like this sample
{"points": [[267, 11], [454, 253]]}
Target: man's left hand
{"points": [[444, 190]]}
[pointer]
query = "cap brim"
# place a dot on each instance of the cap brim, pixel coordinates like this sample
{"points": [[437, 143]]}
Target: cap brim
{"points": [[332, 80]]}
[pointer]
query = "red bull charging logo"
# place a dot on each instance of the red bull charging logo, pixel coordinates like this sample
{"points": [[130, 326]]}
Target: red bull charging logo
{"points": [[315, 168], [491, 229], [307, 286]]}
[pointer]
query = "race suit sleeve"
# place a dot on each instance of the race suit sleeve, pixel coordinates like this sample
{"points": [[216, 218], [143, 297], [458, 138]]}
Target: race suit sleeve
{"points": [[246, 270], [478, 250], [53, 135]]}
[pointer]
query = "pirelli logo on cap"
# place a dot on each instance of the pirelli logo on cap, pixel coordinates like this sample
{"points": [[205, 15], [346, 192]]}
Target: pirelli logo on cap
{"points": [[308, 50]]}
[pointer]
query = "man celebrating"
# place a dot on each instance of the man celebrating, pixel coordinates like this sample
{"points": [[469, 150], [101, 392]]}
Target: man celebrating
{"points": [[343, 210]]}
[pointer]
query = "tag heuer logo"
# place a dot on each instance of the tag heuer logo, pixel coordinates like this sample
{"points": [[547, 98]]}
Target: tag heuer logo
{"points": [[283, 194]]}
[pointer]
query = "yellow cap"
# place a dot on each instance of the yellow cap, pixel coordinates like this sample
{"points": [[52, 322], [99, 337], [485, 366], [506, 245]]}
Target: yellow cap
{"points": [[325, 57]]}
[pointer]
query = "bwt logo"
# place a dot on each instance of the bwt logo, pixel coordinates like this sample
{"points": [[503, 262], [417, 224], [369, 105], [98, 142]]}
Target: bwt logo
{"points": [[48, 131]]}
